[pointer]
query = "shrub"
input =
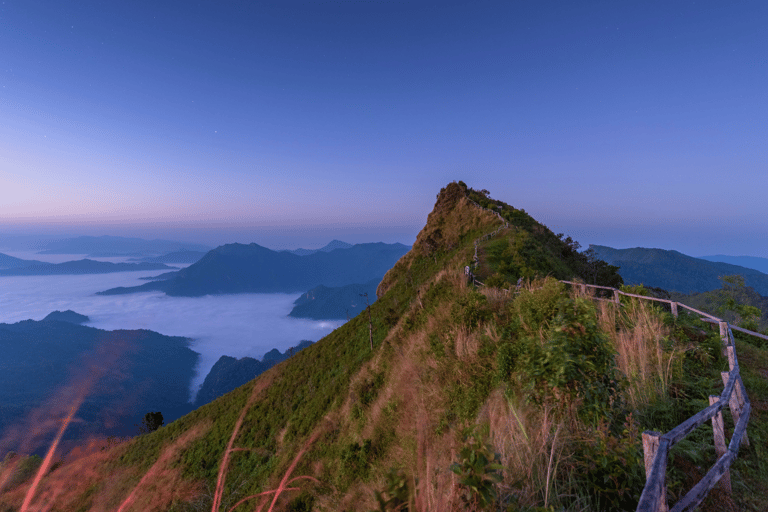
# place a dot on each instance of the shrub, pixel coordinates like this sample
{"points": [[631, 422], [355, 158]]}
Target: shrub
{"points": [[535, 307], [397, 495], [471, 309], [612, 467], [571, 360], [478, 469]]}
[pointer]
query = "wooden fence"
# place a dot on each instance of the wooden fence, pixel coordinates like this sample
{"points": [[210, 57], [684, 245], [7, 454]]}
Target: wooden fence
{"points": [[656, 446]]}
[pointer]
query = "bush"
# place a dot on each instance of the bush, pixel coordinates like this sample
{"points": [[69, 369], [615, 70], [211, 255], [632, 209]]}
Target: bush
{"points": [[479, 471], [471, 309], [611, 467], [533, 309], [572, 360]]}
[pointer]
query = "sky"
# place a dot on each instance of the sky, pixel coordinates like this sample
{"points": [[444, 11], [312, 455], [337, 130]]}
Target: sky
{"points": [[292, 123]]}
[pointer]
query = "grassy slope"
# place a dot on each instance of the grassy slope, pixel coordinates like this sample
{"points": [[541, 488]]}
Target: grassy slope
{"points": [[433, 372]]}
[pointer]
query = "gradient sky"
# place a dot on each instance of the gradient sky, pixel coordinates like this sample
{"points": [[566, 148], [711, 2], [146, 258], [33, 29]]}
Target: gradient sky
{"points": [[641, 124]]}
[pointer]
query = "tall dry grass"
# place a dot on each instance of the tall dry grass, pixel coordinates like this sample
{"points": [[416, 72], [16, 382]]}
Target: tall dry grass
{"points": [[644, 354], [532, 443]]}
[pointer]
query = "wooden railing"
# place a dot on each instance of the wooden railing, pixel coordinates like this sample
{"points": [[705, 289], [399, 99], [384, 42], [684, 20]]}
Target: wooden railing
{"points": [[656, 446], [493, 233]]}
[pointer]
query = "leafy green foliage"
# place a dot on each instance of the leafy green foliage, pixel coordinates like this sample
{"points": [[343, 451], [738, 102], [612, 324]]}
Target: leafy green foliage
{"points": [[571, 360], [25, 469], [533, 309], [397, 496], [478, 469], [472, 308], [611, 467]]}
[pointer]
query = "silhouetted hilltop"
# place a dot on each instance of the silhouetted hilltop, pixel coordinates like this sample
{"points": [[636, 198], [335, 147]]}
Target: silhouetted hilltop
{"points": [[125, 373], [326, 303], [238, 268], [7, 262], [230, 373], [67, 316]]}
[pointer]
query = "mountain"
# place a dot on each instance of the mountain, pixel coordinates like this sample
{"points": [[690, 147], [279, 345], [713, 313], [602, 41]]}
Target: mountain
{"points": [[104, 246], [125, 374], [327, 303], [331, 246], [674, 271], [238, 268], [7, 262], [67, 316], [752, 262], [416, 407], [85, 266], [230, 373], [184, 256]]}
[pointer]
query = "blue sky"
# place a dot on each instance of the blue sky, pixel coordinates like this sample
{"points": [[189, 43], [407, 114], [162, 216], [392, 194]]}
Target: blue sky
{"points": [[293, 123]]}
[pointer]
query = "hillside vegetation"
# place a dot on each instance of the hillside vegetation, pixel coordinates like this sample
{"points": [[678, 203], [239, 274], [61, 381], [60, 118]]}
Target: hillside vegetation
{"points": [[464, 398]]}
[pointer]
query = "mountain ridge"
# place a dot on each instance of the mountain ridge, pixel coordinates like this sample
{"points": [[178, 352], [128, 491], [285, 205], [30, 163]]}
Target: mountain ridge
{"points": [[675, 271], [84, 266], [239, 268]]}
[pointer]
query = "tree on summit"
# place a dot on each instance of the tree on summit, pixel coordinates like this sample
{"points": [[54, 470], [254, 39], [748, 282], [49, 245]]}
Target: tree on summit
{"points": [[151, 422]]}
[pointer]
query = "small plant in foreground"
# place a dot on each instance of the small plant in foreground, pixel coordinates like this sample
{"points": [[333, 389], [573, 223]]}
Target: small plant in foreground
{"points": [[397, 496], [479, 471]]}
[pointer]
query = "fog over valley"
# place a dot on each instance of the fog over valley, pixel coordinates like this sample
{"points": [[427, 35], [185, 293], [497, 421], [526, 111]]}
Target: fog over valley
{"points": [[234, 325]]}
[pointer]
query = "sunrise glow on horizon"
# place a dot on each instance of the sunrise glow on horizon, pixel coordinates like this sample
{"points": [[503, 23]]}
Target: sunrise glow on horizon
{"points": [[299, 122]]}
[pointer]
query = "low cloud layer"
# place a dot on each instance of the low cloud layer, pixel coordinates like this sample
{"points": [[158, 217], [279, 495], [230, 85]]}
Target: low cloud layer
{"points": [[235, 325]]}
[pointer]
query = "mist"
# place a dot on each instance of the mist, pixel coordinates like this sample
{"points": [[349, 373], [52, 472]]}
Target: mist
{"points": [[235, 325]]}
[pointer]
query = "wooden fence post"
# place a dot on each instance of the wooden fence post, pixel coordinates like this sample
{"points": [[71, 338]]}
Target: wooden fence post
{"points": [[674, 309], [724, 336], [720, 447], [616, 297], [730, 352], [736, 403], [650, 447]]}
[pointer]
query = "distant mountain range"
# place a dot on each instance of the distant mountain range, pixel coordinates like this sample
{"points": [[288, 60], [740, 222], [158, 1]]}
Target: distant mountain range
{"points": [[229, 373], [238, 268], [142, 371], [331, 246], [10, 266], [184, 256], [7, 262], [331, 303], [108, 246], [753, 262], [674, 271]]}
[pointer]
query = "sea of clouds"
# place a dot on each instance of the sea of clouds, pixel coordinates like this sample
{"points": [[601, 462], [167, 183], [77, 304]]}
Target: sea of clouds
{"points": [[235, 325]]}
